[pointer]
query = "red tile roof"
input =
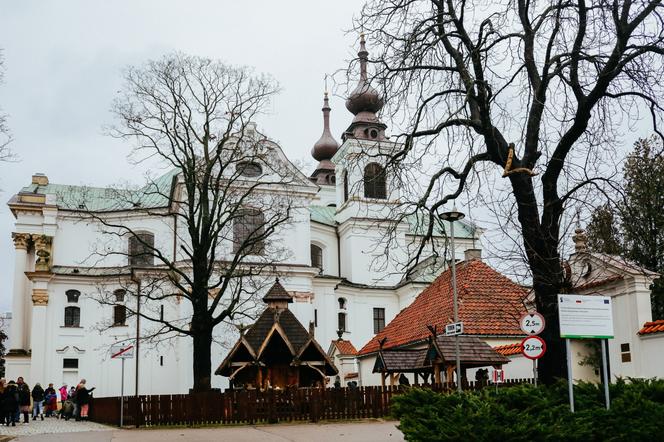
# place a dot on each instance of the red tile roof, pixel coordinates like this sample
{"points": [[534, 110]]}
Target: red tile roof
{"points": [[509, 349], [652, 327], [345, 347], [489, 304]]}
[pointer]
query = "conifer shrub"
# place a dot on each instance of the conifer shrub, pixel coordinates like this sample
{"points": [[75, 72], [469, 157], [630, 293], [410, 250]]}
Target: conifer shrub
{"points": [[526, 413]]}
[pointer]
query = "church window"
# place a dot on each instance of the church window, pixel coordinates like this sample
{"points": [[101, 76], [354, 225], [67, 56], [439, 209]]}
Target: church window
{"points": [[249, 169], [72, 295], [315, 317], [374, 181], [249, 231], [141, 247], [342, 321], [119, 314], [72, 317], [378, 319], [342, 303], [70, 363], [119, 295], [316, 256], [345, 185]]}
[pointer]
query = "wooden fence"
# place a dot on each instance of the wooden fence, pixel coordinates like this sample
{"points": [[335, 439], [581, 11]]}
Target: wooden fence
{"points": [[253, 406]]}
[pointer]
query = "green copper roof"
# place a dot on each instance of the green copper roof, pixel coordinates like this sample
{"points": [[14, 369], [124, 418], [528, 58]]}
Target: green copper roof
{"points": [[104, 199], [462, 229]]}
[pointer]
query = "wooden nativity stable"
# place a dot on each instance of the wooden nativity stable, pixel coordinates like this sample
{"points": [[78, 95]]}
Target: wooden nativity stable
{"points": [[276, 351]]}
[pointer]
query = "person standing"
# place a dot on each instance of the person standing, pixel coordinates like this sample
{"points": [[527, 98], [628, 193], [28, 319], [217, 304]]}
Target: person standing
{"points": [[83, 400], [50, 401], [10, 403], [23, 400], [38, 402]]}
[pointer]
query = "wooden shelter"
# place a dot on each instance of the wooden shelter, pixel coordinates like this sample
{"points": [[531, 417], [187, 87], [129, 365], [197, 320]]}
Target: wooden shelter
{"points": [[277, 351], [436, 358]]}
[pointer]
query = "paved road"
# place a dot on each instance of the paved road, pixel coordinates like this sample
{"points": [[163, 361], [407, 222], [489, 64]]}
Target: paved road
{"points": [[373, 431], [50, 425]]}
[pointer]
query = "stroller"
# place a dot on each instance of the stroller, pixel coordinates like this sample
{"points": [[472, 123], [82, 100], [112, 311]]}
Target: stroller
{"points": [[67, 410]]}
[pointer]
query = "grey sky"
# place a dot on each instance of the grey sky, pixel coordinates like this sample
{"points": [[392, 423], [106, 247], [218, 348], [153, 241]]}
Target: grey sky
{"points": [[64, 59]]}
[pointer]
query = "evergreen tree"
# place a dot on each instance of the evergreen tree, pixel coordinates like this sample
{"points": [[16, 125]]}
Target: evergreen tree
{"points": [[634, 227]]}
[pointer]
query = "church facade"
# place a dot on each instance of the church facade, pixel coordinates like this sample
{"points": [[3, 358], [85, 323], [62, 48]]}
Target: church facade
{"points": [[343, 280]]}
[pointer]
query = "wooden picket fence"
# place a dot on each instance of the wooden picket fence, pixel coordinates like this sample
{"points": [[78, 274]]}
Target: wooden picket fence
{"points": [[253, 406]]}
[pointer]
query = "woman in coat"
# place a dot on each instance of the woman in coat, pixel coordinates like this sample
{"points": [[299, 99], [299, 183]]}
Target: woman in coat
{"points": [[9, 403], [24, 399], [83, 400], [38, 402]]}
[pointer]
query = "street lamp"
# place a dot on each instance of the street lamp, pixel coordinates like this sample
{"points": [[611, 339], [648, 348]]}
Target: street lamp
{"points": [[451, 217]]}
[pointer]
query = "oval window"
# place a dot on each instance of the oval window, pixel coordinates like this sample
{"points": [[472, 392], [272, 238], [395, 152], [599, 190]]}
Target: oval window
{"points": [[249, 169]]}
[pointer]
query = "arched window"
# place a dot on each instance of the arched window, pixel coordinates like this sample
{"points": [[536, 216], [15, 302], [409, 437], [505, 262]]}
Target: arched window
{"points": [[316, 256], [342, 303], [345, 185], [72, 295], [72, 316], [141, 247], [341, 322], [248, 231], [249, 169], [374, 181], [119, 314]]}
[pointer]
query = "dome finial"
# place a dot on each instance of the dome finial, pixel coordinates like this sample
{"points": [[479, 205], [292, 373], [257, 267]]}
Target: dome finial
{"points": [[326, 146]]}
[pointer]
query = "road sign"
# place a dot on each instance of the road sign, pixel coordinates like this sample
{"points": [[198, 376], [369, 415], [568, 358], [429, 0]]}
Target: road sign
{"points": [[498, 376], [122, 351], [533, 347], [585, 317], [532, 323], [453, 329]]}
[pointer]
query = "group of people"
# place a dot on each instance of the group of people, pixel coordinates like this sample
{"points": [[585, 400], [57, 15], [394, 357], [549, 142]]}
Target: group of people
{"points": [[17, 398]]}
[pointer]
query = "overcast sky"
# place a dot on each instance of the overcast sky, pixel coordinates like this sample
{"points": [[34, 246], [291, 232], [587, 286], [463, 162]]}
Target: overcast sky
{"points": [[64, 60]]}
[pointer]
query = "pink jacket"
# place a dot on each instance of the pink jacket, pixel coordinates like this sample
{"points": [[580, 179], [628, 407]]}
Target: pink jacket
{"points": [[63, 393]]}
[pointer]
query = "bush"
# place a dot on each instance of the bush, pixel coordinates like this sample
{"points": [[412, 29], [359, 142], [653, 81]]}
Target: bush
{"points": [[526, 413]]}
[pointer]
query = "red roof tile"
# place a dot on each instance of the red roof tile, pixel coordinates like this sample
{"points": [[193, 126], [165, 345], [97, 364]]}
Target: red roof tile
{"points": [[509, 349], [345, 347], [652, 327], [489, 304]]}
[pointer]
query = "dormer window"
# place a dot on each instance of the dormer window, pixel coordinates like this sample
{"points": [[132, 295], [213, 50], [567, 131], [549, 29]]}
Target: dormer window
{"points": [[249, 169], [374, 181], [72, 295]]}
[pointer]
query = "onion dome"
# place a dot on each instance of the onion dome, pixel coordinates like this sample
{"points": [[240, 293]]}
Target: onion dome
{"points": [[326, 146], [364, 98]]}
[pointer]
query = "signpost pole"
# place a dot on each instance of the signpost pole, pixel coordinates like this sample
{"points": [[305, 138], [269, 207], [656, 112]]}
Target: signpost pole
{"points": [[535, 371], [570, 382], [605, 373], [122, 395]]}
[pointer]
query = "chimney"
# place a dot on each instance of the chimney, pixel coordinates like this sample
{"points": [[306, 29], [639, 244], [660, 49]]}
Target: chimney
{"points": [[472, 254], [40, 178]]}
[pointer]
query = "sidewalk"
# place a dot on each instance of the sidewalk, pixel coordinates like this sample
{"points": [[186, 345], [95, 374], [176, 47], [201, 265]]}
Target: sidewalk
{"points": [[368, 431]]}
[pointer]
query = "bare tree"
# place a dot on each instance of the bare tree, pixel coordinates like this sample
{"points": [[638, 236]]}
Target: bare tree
{"points": [[226, 205], [5, 134], [534, 91]]}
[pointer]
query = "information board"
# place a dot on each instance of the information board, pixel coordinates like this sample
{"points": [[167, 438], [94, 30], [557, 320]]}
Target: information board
{"points": [[585, 317]]}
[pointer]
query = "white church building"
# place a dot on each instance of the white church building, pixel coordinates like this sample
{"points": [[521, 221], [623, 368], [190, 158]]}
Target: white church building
{"points": [[337, 270]]}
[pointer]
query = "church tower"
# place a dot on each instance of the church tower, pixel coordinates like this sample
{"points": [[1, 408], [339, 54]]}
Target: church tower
{"points": [[366, 192], [324, 149]]}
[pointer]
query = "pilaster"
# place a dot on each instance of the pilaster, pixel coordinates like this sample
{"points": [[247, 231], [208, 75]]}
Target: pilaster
{"points": [[17, 334]]}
